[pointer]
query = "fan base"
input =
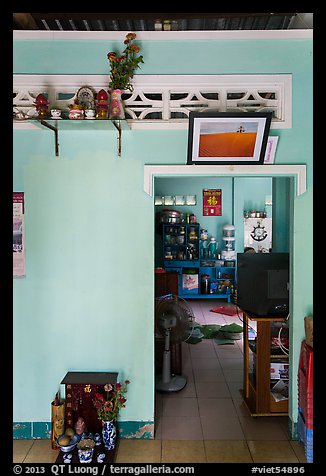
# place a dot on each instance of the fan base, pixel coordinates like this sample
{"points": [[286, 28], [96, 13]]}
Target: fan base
{"points": [[176, 383]]}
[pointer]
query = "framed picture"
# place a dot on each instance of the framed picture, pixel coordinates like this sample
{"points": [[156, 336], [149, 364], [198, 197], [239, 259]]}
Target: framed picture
{"points": [[228, 137]]}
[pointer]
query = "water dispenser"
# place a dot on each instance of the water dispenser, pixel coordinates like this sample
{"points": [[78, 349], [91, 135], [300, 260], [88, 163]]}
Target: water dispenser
{"points": [[228, 240]]}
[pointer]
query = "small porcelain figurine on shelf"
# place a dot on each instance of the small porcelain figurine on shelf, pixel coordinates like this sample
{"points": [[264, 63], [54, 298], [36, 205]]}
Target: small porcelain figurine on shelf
{"points": [[80, 426], [55, 113], [90, 113]]}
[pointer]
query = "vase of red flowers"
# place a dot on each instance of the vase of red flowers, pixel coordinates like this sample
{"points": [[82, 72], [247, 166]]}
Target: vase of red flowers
{"points": [[108, 405], [122, 71]]}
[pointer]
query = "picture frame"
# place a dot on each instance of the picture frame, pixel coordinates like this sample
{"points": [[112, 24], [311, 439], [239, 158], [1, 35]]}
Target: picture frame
{"points": [[227, 137]]}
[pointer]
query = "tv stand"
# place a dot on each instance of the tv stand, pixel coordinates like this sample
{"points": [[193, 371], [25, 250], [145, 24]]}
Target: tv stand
{"points": [[257, 385]]}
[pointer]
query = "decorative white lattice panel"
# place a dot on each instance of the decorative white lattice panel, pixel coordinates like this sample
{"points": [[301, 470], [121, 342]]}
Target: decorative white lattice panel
{"points": [[162, 100]]}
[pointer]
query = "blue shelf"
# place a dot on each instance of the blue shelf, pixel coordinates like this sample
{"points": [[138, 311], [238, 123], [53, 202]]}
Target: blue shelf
{"points": [[175, 242], [173, 263], [206, 296]]}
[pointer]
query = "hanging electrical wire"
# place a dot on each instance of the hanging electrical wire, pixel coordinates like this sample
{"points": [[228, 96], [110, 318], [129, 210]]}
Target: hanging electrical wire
{"points": [[279, 340], [241, 319]]}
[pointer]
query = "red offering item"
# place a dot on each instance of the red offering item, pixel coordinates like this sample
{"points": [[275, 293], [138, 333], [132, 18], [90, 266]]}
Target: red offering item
{"points": [[159, 270], [229, 311]]}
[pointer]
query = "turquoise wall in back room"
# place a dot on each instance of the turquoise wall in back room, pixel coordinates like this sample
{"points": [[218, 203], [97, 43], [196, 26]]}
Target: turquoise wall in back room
{"points": [[86, 302], [238, 194]]}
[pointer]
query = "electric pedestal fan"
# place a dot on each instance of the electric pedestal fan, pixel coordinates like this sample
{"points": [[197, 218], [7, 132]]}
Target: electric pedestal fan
{"points": [[173, 321]]}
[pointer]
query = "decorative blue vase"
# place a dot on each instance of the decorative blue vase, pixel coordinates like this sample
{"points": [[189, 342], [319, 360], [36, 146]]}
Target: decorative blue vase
{"points": [[109, 434]]}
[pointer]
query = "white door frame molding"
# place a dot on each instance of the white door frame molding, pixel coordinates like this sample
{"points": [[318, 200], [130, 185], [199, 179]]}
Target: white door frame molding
{"points": [[296, 171]]}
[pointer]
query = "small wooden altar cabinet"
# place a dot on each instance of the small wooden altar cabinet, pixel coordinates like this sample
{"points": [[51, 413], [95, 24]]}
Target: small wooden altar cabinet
{"points": [[80, 390]]}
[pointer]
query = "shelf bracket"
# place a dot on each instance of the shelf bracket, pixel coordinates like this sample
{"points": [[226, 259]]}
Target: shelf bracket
{"points": [[117, 125], [55, 130]]}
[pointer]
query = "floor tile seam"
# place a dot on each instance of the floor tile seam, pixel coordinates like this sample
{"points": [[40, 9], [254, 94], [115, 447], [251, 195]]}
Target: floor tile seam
{"points": [[224, 372], [245, 441], [214, 382], [223, 398], [203, 446], [248, 448], [202, 430], [242, 420], [224, 418], [201, 312], [205, 452], [192, 379], [274, 441], [193, 367], [30, 448], [201, 354]]}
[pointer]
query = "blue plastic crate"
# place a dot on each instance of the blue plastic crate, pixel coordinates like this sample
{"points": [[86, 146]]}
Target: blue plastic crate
{"points": [[306, 437], [309, 456]]}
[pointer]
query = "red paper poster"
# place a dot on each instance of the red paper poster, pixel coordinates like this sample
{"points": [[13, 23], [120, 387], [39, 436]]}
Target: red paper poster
{"points": [[212, 202], [18, 247]]}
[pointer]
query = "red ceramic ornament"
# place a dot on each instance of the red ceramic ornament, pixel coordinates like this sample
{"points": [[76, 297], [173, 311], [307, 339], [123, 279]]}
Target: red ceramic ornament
{"points": [[42, 105], [102, 96], [102, 104], [41, 101]]}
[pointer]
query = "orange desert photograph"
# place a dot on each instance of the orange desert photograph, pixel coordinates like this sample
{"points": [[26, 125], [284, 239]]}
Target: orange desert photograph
{"points": [[224, 143]]}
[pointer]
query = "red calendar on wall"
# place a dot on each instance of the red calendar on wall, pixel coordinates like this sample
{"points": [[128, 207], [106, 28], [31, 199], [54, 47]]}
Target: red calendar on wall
{"points": [[212, 202]]}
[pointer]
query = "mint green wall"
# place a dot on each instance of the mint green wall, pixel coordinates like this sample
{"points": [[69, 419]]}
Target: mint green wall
{"points": [[281, 213], [84, 304], [87, 300]]}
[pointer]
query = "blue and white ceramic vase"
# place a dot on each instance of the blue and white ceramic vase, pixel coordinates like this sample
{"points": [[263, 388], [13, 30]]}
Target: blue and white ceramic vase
{"points": [[109, 434]]}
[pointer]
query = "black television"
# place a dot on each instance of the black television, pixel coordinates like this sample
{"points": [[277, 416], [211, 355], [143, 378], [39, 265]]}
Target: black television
{"points": [[263, 283]]}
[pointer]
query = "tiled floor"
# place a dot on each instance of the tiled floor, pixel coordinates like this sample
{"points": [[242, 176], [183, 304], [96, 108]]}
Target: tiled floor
{"points": [[207, 421]]}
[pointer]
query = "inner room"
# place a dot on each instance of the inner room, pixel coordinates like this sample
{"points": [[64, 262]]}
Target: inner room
{"points": [[227, 215]]}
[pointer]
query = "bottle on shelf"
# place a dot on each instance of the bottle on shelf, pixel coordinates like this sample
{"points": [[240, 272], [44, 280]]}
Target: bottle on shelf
{"points": [[193, 236], [212, 248], [205, 284], [203, 243], [203, 234], [204, 248]]}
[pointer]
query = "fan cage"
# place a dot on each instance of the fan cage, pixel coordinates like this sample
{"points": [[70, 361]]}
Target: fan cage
{"points": [[176, 306]]}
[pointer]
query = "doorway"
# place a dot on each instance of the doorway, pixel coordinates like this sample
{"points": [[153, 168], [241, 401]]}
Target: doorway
{"points": [[224, 375]]}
